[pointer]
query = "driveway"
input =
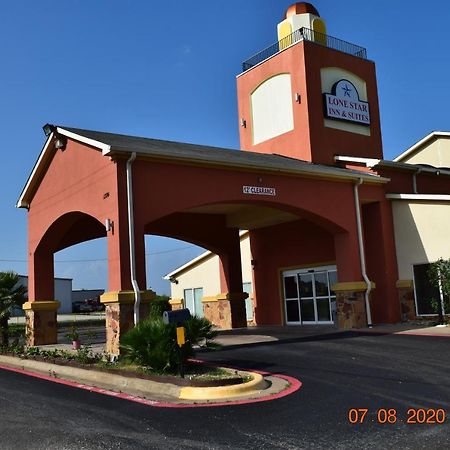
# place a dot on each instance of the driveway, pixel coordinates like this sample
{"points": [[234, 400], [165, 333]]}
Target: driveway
{"points": [[339, 372]]}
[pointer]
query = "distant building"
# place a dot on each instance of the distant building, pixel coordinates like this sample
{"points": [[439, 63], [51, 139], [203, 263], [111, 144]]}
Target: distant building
{"points": [[78, 295], [63, 293]]}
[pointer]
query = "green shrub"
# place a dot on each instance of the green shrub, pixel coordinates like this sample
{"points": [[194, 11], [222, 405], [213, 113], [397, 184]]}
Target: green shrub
{"points": [[153, 344], [201, 332], [158, 306]]}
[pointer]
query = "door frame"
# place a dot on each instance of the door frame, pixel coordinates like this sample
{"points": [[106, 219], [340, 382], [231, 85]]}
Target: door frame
{"points": [[306, 270]]}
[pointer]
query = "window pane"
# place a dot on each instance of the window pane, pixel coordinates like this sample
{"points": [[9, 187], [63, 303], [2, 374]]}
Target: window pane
{"points": [[189, 300], [198, 294], [247, 287], [307, 310], [323, 309], [292, 312], [249, 308], [305, 285], [290, 287], [332, 277], [321, 282], [425, 291]]}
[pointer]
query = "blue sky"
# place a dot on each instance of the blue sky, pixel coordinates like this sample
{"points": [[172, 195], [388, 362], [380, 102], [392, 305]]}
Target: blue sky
{"points": [[167, 70]]}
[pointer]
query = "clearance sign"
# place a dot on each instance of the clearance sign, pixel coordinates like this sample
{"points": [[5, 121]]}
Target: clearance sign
{"points": [[344, 104]]}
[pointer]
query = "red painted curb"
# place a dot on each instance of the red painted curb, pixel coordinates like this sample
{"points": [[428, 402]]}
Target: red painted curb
{"points": [[294, 386]]}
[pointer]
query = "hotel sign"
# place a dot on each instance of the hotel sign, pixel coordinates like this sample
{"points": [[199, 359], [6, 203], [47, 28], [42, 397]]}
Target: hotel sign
{"points": [[259, 190], [344, 104]]}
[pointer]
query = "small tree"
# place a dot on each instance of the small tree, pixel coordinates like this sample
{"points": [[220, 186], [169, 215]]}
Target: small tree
{"points": [[439, 276], [11, 294]]}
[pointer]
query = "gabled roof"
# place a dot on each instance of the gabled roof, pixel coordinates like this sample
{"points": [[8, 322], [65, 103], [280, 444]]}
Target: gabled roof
{"points": [[373, 163], [112, 144], [197, 260], [411, 150]]}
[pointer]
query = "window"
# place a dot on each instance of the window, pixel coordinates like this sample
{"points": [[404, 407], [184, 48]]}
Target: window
{"points": [[428, 297], [247, 287], [193, 301]]}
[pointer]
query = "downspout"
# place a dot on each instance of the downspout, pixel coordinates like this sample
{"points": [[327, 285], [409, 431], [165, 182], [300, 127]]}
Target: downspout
{"points": [[137, 293], [362, 256]]}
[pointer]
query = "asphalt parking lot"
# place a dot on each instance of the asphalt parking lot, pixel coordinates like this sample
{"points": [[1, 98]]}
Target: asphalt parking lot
{"points": [[339, 372]]}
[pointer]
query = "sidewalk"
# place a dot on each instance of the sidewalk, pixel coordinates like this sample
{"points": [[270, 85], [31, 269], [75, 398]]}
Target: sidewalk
{"points": [[95, 336], [62, 318]]}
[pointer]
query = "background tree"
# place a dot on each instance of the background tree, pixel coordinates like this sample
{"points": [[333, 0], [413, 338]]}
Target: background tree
{"points": [[11, 295], [439, 275]]}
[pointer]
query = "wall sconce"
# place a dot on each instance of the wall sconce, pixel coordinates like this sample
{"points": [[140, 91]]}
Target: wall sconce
{"points": [[253, 263], [298, 98], [60, 143], [109, 225], [243, 123]]}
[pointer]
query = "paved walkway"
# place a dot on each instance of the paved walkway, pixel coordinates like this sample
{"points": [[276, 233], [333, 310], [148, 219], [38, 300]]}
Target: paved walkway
{"points": [[79, 317], [95, 336]]}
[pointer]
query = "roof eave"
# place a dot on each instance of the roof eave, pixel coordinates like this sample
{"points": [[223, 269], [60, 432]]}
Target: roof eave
{"points": [[420, 143], [313, 170], [26, 194], [41, 163]]}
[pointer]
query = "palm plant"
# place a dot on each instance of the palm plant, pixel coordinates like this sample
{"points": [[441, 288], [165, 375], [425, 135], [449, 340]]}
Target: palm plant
{"points": [[153, 344], [11, 295]]}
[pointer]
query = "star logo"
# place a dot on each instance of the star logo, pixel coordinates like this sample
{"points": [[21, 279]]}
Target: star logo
{"points": [[346, 90]]}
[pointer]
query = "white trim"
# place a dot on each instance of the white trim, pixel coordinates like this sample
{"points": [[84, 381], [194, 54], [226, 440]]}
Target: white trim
{"points": [[427, 197], [198, 258], [188, 264], [105, 148], [21, 203], [307, 271], [418, 144], [368, 162]]}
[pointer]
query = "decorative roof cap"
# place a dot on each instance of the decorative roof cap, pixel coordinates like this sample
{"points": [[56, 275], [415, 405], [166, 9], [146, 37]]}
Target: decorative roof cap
{"points": [[301, 8]]}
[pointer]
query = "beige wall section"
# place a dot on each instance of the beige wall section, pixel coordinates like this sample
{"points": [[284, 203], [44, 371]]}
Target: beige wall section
{"points": [[437, 154], [331, 75], [271, 104], [246, 258], [296, 22], [421, 233], [205, 274]]}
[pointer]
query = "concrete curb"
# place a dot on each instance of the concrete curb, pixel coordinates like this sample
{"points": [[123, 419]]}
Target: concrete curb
{"points": [[252, 387], [133, 386], [137, 386]]}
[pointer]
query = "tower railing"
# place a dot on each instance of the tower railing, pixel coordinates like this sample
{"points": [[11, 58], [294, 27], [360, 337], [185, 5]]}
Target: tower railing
{"points": [[305, 34]]}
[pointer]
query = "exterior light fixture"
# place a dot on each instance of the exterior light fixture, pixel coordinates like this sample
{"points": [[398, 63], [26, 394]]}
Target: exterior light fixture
{"points": [[61, 143], [109, 225], [48, 129], [173, 280], [298, 98], [243, 123]]}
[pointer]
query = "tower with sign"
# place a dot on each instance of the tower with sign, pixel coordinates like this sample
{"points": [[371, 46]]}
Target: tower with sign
{"points": [[309, 96]]}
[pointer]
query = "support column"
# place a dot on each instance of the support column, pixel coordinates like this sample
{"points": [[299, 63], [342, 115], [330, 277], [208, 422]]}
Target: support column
{"points": [[350, 291], [41, 307], [381, 260], [119, 307], [119, 300], [350, 304], [229, 308], [405, 290]]}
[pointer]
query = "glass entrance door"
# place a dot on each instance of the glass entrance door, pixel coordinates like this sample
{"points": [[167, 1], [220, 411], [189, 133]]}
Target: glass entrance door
{"points": [[308, 295]]}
